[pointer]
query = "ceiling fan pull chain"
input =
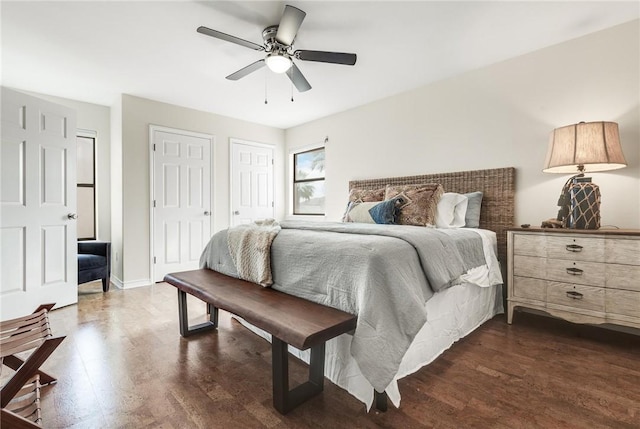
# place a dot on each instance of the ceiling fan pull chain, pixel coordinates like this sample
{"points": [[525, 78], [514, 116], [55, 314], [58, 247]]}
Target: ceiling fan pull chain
{"points": [[292, 92], [265, 88]]}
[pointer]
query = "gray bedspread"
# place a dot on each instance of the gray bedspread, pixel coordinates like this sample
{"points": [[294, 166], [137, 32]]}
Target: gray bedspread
{"points": [[382, 273]]}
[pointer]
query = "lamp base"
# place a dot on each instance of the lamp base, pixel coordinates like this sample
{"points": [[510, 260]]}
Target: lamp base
{"points": [[584, 204]]}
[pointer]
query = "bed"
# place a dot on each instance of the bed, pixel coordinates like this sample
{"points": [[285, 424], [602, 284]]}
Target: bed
{"points": [[403, 324]]}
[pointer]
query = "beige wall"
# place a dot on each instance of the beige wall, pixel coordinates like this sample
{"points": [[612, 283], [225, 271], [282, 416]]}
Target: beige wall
{"points": [[96, 118], [116, 194], [136, 116], [497, 116]]}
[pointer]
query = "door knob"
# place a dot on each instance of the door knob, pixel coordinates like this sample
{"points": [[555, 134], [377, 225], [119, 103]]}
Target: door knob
{"points": [[206, 213], [72, 216], [236, 212]]}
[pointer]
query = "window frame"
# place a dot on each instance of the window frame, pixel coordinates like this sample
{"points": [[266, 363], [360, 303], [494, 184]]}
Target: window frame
{"points": [[86, 134], [295, 181]]}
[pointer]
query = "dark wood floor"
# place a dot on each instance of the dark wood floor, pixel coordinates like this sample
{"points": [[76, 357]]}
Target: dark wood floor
{"points": [[124, 364]]}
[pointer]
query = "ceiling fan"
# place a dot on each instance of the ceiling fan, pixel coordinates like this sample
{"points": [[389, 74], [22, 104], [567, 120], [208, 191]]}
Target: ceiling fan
{"points": [[278, 44]]}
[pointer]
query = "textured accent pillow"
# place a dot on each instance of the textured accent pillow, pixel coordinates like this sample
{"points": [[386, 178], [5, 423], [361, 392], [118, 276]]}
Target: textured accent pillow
{"points": [[366, 195], [451, 210], [420, 203], [383, 212], [472, 218]]}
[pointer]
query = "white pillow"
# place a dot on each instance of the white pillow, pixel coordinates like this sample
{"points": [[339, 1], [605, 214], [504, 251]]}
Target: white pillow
{"points": [[451, 210]]}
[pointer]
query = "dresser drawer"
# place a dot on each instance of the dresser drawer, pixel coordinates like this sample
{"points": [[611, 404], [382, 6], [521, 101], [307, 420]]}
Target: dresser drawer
{"points": [[530, 245], [530, 288], [560, 270], [560, 246], [622, 302], [584, 273], [576, 248], [529, 266], [622, 277], [576, 296], [623, 250]]}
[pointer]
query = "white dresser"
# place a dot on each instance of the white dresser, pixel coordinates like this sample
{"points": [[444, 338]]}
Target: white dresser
{"points": [[584, 276]]}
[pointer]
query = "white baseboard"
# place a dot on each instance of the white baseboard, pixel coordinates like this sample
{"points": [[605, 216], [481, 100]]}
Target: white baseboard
{"points": [[130, 284], [116, 282]]}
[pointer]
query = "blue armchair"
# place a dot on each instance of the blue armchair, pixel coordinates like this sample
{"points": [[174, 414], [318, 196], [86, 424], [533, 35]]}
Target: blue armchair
{"points": [[94, 262]]}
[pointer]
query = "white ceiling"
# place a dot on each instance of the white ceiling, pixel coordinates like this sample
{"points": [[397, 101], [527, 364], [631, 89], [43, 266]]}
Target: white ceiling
{"points": [[95, 50]]}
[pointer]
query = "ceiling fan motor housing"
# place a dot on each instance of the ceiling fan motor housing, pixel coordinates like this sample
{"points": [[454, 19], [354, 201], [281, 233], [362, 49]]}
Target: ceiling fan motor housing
{"points": [[272, 45]]}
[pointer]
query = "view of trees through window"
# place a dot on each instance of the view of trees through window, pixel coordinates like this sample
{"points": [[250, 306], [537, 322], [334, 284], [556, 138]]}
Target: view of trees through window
{"points": [[308, 182]]}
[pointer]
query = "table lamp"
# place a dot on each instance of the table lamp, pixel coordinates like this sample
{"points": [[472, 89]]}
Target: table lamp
{"points": [[580, 148]]}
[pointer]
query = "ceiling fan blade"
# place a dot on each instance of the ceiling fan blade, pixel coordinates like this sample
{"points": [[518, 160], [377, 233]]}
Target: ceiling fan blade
{"points": [[327, 57], [229, 38], [298, 79], [246, 70], [289, 24]]}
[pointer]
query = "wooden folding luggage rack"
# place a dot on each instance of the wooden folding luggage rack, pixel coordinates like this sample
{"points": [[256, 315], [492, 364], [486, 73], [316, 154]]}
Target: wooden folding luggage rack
{"points": [[20, 396]]}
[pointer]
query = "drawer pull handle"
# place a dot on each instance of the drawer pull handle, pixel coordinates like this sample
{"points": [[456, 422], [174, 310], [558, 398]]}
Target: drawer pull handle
{"points": [[574, 295], [574, 248], [575, 271]]}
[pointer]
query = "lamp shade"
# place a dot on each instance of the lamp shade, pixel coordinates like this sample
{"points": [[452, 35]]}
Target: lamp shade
{"points": [[278, 63], [587, 146]]}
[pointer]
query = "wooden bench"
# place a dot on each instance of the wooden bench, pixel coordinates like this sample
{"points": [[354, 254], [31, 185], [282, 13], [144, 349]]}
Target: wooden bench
{"points": [[289, 320]]}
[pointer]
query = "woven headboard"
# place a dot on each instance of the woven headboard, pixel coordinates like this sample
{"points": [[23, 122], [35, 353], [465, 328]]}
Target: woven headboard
{"points": [[497, 185]]}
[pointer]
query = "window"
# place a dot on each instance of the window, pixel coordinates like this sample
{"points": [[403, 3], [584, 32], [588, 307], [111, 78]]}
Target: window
{"points": [[85, 170], [308, 182]]}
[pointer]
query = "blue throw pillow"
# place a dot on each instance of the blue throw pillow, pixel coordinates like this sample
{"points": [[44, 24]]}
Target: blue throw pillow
{"points": [[384, 212]]}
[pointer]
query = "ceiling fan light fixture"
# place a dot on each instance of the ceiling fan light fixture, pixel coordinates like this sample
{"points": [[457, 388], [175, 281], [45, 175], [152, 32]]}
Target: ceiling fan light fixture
{"points": [[278, 46], [278, 63]]}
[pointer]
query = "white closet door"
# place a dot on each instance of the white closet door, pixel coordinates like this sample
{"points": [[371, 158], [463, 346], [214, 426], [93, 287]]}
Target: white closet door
{"points": [[251, 182], [182, 200]]}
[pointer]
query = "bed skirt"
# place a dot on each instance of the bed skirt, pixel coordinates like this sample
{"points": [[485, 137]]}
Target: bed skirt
{"points": [[451, 314]]}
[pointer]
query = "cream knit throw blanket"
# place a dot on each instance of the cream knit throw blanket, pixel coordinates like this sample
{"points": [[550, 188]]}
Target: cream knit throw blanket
{"points": [[250, 249]]}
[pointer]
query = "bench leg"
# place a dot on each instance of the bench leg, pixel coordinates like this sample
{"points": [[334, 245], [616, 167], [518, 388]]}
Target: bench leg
{"points": [[185, 329], [284, 400]]}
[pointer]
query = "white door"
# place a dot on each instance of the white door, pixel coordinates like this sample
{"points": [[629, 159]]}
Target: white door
{"points": [[38, 256], [251, 182], [181, 199]]}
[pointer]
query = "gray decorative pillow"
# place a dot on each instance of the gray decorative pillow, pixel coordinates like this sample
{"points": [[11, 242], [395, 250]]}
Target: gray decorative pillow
{"points": [[420, 203], [472, 217], [382, 212]]}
